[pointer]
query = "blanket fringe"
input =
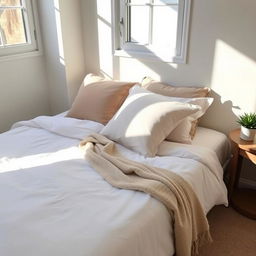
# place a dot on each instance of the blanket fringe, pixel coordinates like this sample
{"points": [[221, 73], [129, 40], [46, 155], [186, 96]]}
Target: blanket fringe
{"points": [[202, 239]]}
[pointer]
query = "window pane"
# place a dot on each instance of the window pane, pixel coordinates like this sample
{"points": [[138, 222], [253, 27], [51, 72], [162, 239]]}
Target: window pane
{"points": [[164, 2], [12, 26], [139, 29], [10, 2], [165, 25], [139, 1]]}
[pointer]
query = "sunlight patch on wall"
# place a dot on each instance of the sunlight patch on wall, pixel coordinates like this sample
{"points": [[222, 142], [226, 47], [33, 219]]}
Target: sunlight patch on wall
{"points": [[234, 78], [104, 10], [59, 31], [135, 70], [105, 37], [105, 46]]}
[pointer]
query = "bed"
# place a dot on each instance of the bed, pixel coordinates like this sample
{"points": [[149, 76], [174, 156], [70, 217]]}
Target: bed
{"points": [[54, 203]]}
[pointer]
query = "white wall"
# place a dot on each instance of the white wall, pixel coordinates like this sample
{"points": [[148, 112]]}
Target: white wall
{"points": [[63, 47], [23, 90], [221, 55]]}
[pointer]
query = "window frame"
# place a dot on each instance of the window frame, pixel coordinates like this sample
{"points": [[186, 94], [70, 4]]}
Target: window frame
{"points": [[136, 50], [31, 27]]}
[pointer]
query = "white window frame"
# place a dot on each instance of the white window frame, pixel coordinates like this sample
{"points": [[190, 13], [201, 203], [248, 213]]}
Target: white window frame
{"points": [[135, 50], [7, 51]]}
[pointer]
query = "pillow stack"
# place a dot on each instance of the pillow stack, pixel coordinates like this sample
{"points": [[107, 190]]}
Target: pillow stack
{"points": [[145, 119], [141, 120], [185, 131]]}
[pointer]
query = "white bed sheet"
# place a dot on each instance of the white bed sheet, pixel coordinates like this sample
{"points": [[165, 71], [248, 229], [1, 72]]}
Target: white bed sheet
{"points": [[206, 139], [214, 140], [53, 203]]}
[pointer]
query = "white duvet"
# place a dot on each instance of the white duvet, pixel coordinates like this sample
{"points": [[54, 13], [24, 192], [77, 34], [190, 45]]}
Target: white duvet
{"points": [[52, 203]]}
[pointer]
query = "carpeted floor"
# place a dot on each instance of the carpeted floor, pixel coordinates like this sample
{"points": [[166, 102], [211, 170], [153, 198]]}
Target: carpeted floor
{"points": [[233, 234]]}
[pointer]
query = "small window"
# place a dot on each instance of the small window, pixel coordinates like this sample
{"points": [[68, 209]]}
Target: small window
{"points": [[154, 29], [17, 30]]}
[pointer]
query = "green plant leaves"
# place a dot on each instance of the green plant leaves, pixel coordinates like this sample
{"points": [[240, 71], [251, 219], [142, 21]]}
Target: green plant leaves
{"points": [[248, 120]]}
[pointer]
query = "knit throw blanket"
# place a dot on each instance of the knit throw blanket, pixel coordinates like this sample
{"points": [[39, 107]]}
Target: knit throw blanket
{"points": [[191, 229]]}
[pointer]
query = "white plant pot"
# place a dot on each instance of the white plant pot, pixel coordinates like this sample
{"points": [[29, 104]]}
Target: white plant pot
{"points": [[247, 134]]}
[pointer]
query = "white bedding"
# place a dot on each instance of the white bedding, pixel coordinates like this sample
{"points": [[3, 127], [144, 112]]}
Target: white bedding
{"points": [[214, 140], [208, 139], [54, 204]]}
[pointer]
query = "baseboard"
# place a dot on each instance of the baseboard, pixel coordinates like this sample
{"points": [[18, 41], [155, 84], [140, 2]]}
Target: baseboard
{"points": [[245, 183]]}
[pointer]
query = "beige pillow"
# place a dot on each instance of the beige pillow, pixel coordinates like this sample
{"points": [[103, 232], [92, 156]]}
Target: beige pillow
{"points": [[145, 119], [98, 99], [181, 133], [176, 91]]}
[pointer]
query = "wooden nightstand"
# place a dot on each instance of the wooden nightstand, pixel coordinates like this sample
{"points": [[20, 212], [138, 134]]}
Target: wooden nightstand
{"points": [[243, 200]]}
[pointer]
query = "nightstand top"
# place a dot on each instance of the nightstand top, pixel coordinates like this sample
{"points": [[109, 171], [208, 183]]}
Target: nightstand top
{"points": [[249, 146]]}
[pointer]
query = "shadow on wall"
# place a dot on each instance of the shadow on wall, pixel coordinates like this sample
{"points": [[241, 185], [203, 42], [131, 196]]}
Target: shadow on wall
{"points": [[221, 56], [50, 17], [222, 113]]}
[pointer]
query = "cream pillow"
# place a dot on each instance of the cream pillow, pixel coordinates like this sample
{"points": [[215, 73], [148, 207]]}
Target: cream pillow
{"points": [[145, 119], [176, 91], [98, 99], [182, 132]]}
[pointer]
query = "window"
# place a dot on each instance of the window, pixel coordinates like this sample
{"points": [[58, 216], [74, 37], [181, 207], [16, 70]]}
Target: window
{"points": [[17, 30], [155, 29]]}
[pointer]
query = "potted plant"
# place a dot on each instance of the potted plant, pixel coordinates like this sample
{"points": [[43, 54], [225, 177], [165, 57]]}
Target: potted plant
{"points": [[248, 126]]}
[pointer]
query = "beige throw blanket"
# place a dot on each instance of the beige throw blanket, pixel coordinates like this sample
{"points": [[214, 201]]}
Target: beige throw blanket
{"points": [[190, 224]]}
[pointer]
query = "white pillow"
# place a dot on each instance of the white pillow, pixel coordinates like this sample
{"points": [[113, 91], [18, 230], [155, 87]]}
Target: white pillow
{"points": [[181, 133], [145, 119]]}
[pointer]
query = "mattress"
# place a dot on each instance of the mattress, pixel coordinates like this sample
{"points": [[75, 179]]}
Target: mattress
{"points": [[214, 140], [205, 139], [53, 203]]}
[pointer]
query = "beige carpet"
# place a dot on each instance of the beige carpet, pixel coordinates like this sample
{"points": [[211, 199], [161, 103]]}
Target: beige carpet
{"points": [[233, 234]]}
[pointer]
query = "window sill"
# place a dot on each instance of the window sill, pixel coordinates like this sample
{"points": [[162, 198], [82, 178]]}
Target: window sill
{"points": [[149, 56], [21, 56]]}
